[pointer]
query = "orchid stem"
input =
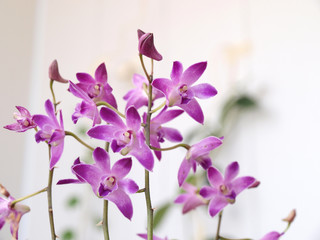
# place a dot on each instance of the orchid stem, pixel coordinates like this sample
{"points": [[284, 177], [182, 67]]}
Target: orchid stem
{"points": [[53, 95], [219, 226], [105, 220], [111, 107], [186, 146], [68, 133], [28, 196], [146, 172], [49, 196], [159, 107]]}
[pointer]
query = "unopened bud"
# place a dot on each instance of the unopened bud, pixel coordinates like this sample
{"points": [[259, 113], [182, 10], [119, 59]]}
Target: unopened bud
{"points": [[290, 217], [4, 191], [54, 73], [146, 46]]}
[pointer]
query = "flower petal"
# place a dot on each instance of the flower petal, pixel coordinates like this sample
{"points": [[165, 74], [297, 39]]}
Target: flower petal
{"points": [[122, 201], [215, 177], [121, 168], [56, 152], [90, 174], [102, 159], [164, 85], [193, 73], [193, 202], [176, 72], [85, 78], [171, 134], [50, 111], [181, 198], [133, 119], [208, 192], [231, 171], [272, 236], [111, 117], [216, 205], [101, 75], [68, 181], [193, 109], [183, 172], [103, 132], [144, 156], [203, 91], [166, 116], [128, 185], [241, 183]]}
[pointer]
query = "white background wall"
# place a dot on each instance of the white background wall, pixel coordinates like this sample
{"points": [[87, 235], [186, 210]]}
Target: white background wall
{"points": [[269, 48]]}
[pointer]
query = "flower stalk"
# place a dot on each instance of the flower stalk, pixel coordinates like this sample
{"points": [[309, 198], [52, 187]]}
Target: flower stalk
{"points": [[111, 107], [68, 133], [186, 146], [105, 220], [28, 196]]}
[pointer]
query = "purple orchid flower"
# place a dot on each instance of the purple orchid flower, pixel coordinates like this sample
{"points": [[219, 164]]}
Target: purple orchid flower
{"points": [[198, 154], [69, 180], [11, 214], [145, 236], [97, 88], [138, 97], [51, 131], [180, 92], [159, 133], [146, 46], [191, 199], [87, 108], [109, 183], [24, 121], [54, 73], [272, 236], [125, 138], [223, 190]]}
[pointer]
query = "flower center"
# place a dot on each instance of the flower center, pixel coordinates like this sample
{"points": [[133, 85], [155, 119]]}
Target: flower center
{"points": [[230, 195], [95, 91], [127, 136], [109, 182]]}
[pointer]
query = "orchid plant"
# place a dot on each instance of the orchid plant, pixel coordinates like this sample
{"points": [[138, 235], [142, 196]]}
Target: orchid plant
{"points": [[135, 134]]}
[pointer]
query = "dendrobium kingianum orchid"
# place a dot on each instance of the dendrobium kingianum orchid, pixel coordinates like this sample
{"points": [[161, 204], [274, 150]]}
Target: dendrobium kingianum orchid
{"points": [[51, 131], [190, 199], [224, 190], [179, 91], [24, 121], [140, 132], [106, 182], [198, 154], [11, 213], [125, 138]]}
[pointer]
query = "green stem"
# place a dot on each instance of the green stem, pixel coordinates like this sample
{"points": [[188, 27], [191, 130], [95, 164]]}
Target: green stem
{"points": [[186, 146], [28, 196], [53, 95], [68, 133], [105, 220], [144, 68], [49, 197], [159, 107], [219, 226], [111, 107]]}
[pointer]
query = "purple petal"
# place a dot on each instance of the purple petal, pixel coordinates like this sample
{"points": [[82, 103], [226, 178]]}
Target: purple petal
{"points": [[272, 236], [78, 92], [216, 205], [205, 146], [205, 162], [181, 198], [23, 111], [90, 174], [192, 203], [122, 201], [68, 181], [164, 85], [193, 109], [215, 177], [176, 72], [121, 168], [128, 185], [154, 142], [111, 117], [166, 116], [231, 172], [183, 172], [103, 132], [240, 184], [208, 192], [102, 159], [50, 111], [144, 156], [203, 91], [101, 75], [171, 134], [85, 78], [56, 152], [16, 127], [193, 73], [133, 119], [42, 120]]}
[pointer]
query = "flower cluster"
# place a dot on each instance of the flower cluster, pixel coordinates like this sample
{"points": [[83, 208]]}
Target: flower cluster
{"points": [[136, 134]]}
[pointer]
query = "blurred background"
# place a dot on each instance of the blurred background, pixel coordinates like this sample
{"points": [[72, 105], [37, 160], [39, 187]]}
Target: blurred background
{"points": [[264, 51]]}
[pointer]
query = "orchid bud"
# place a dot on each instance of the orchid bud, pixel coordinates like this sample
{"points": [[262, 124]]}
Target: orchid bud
{"points": [[54, 73], [4, 191], [146, 46], [290, 217]]}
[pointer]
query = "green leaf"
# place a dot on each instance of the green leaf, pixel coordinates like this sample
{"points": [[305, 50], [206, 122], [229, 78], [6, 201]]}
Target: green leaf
{"points": [[160, 213]]}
